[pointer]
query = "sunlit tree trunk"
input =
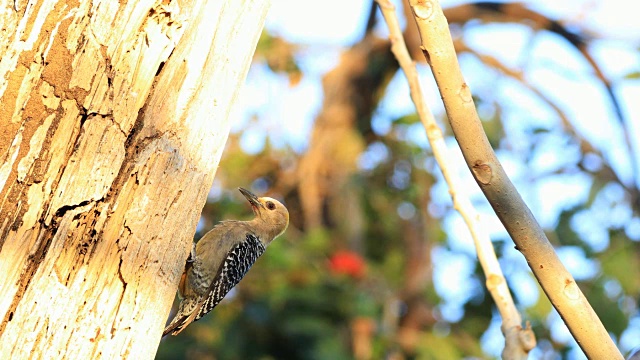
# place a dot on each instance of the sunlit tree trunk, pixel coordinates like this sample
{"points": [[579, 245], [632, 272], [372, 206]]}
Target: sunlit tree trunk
{"points": [[113, 117]]}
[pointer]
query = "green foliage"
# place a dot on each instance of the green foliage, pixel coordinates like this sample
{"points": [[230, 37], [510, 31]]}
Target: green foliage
{"points": [[607, 308], [564, 232], [279, 55], [621, 262], [633, 75]]}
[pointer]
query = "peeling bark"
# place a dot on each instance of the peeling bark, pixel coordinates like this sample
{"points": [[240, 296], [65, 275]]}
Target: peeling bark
{"points": [[113, 117]]}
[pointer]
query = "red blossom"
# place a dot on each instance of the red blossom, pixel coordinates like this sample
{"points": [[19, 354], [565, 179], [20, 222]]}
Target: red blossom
{"points": [[347, 263]]}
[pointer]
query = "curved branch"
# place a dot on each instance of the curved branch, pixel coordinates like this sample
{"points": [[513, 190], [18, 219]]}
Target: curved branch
{"points": [[517, 13], [518, 341], [585, 145], [556, 281]]}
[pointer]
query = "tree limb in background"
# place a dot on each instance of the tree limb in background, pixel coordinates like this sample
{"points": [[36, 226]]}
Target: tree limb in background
{"points": [[351, 92], [518, 13], [556, 281], [345, 105], [585, 145], [518, 341]]}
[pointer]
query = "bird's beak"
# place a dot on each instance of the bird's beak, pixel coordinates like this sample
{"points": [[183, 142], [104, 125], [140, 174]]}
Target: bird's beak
{"points": [[252, 198]]}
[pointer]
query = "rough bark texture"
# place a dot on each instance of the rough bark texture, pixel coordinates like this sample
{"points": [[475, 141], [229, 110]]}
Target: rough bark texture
{"points": [[113, 117]]}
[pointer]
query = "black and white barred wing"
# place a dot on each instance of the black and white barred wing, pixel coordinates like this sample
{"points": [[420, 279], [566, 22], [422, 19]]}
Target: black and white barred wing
{"points": [[237, 263]]}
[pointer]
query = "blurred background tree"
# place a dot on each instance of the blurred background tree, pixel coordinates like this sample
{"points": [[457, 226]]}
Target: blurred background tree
{"points": [[376, 263]]}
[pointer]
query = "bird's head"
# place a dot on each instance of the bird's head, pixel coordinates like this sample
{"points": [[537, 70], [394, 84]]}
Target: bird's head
{"points": [[271, 216]]}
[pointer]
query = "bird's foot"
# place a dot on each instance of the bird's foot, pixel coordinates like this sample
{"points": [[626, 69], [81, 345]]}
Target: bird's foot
{"points": [[192, 255]]}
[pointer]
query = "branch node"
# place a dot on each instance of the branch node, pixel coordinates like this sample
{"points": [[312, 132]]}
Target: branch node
{"points": [[571, 289], [425, 52], [465, 93], [422, 8], [493, 281], [527, 338], [482, 172]]}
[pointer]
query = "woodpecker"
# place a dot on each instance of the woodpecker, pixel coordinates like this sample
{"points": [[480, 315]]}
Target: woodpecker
{"points": [[222, 257]]}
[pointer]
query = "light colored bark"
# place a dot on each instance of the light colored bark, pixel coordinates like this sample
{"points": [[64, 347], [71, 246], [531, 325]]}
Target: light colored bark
{"points": [[557, 283], [518, 341], [105, 167]]}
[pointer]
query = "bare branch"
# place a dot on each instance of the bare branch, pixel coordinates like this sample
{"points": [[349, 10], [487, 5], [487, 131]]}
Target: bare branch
{"points": [[518, 341], [585, 145], [556, 281]]}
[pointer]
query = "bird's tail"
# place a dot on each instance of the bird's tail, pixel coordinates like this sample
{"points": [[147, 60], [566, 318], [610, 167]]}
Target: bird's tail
{"points": [[183, 317]]}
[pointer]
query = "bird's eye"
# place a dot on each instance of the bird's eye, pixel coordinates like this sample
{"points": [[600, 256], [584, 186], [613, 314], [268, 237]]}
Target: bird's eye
{"points": [[270, 205]]}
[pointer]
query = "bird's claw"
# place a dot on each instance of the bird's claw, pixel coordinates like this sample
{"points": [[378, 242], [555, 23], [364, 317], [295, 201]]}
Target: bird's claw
{"points": [[192, 254]]}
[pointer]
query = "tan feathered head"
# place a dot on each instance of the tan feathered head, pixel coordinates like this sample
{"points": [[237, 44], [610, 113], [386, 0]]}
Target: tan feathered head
{"points": [[272, 218]]}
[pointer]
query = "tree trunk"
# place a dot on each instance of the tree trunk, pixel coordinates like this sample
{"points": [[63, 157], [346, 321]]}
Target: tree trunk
{"points": [[113, 117]]}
